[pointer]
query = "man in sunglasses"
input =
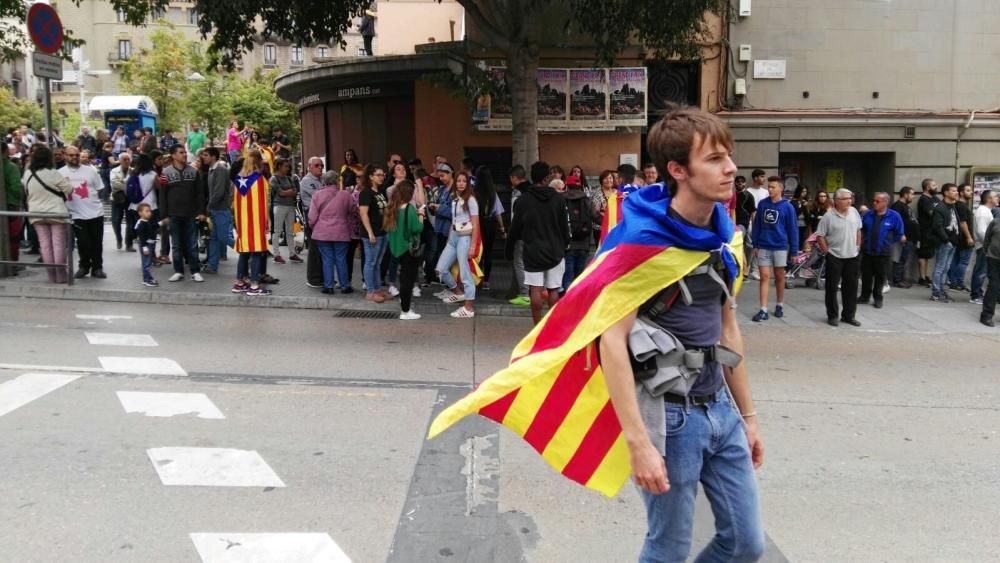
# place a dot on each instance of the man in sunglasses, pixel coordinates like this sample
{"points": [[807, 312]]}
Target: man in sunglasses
{"points": [[308, 185]]}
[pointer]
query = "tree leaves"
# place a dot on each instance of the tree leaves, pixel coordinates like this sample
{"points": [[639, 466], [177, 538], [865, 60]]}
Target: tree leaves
{"points": [[16, 111]]}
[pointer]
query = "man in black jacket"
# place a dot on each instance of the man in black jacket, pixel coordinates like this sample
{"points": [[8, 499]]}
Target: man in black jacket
{"points": [[912, 227], [182, 203], [944, 237], [541, 220], [925, 216], [220, 201]]}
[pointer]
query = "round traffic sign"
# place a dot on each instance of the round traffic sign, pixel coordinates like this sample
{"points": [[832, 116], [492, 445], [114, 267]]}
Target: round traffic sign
{"points": [[45, 28]]}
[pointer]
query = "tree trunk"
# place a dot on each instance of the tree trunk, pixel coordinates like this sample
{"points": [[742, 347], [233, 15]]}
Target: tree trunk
{"points": [[522, 64]]}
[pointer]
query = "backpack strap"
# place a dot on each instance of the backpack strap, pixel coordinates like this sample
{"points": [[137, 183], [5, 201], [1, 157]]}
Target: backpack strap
{"points": [[663, 301]]}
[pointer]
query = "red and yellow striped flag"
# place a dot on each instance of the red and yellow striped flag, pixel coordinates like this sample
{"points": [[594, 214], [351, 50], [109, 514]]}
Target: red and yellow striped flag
{"points": [[477, 272], [553, 393], [250, 206], [612, 216]]}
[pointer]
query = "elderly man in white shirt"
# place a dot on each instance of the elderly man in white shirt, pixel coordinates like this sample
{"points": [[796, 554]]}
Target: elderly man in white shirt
{"points": [[980, 221], [839, 237]]}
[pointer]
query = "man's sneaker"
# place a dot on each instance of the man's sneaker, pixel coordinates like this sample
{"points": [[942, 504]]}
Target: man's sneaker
{"points": [[832, 321], [151, 283], [926, 282], [240, 287], [212, 271], [256, 291], [176, 277], [393, 291], [760, 316], [852, 322], [267, 278], [754, 275], [779, 311], [946, 298], [314, 286], [416, 291], [987, 321], [295, 258], [877, 304], [197, 277], [903, 285], [521, 301], [347, 290], [409, 316], [279, 260], [936, 298], [976, 300], [886, 288]]}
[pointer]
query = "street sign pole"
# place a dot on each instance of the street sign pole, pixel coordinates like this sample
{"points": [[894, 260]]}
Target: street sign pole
{"points": [[47, 104]]}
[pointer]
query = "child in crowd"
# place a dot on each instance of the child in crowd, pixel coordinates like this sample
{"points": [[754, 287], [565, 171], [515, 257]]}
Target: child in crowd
{"points": [[145, 233]]}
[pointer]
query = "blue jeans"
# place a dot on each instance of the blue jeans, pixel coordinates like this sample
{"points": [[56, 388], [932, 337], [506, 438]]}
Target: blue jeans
{"points": [[979, 274], [942, 262], [334, 258], [899, 268], [222, 231], [705, 444], [373, 257], [576, 262], [184, 240], [457, 249], [959, 263], [249, 266], [147, 260]]}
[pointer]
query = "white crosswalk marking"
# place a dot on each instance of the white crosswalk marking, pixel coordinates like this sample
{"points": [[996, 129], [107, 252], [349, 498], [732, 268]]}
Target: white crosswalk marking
{"points": [[141, 366], [212, 467], [169, 404], [107, 318], [268, 548], [26, 388], [119, 339]]}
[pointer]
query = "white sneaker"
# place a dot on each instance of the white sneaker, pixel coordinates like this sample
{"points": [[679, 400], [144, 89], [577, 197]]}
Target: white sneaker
{"points": [[443, 294], [176, 277], [463, 313], [409, 316], [976, 301], [197, 277], [886, 288], [393, 291], [416, 291]]}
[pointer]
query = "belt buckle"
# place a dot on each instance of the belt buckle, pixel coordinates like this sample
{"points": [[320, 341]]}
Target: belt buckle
{"points": [[701, 401]]}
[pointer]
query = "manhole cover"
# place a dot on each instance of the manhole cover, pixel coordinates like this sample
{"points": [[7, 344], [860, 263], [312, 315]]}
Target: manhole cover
{"points": [[385, 315]]}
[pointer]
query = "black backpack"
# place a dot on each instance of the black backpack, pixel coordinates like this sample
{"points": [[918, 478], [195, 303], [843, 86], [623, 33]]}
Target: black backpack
{"points": [[581, 218]]}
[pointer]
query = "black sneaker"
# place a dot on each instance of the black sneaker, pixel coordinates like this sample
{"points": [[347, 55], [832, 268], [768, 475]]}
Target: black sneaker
{"points": [[852, 322], [832, 321], [328, 291], [257, 291], [151, 283], [347, 290], [987, 321]]}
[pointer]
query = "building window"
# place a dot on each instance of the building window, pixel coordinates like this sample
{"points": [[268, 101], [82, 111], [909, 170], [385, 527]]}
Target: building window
{"points": [[124, 49], [121, 16], [158, 14], [270, 55], [193, 16], [322, 52], [296, 55]]}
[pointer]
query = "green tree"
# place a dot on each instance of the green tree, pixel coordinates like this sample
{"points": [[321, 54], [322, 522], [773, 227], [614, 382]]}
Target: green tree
{"points": [[208, 103], [254, 102], [160, 71], [16, 111]]}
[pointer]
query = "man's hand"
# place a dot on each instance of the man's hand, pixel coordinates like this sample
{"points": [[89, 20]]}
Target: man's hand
{"points": [[648, 469], [969, 242], [755, 441]]}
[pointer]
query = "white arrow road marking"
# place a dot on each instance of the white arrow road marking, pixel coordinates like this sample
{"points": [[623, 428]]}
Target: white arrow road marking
{"points": [[268, 548], [169, 404], [141, 366], [26, 388], [118, 339], [212, 467]]}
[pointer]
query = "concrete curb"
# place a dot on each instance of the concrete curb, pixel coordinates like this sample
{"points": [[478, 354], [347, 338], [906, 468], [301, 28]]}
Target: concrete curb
{"points": [[489, 308]]}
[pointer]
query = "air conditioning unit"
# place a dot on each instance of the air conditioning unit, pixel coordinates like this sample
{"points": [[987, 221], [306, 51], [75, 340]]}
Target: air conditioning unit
{"points": [[744, 8]]}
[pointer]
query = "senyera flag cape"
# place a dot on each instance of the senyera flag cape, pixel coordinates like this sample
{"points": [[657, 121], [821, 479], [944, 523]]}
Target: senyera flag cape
{"points": [[612, 216], [250, 206], [553, 393], [477, 272]]}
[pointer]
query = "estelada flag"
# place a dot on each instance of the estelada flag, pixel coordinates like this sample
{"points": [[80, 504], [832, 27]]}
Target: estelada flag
{"points": [[612, 216], [553, 393], [250, 204]]}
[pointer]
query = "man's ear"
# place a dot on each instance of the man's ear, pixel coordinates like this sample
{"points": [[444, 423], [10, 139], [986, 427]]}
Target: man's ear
{"points": [[676, 171]]}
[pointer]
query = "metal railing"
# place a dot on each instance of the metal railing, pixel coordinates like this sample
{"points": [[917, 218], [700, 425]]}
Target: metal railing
{"points": [[7, 265]]}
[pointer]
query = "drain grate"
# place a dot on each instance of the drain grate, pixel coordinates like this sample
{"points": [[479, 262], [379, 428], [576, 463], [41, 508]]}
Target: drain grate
{"points": [[385, 315]]}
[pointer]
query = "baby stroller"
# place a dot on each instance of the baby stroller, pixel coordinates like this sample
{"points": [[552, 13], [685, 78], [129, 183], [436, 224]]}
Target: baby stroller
{"points": [[808, 265]]}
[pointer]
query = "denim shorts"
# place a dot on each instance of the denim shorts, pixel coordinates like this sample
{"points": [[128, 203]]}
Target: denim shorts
{"points": [[772, 258]]}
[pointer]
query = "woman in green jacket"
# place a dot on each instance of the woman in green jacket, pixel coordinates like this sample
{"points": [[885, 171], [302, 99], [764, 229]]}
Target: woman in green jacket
{"points": [[404, 223]]}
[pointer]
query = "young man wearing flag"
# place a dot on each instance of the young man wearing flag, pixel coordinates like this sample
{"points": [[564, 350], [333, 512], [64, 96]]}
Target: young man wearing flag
{"points": [[570, 390]]}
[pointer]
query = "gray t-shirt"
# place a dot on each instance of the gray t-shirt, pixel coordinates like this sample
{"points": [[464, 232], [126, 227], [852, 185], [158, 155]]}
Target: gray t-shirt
{"points": [[841, 232], [279, 183]]}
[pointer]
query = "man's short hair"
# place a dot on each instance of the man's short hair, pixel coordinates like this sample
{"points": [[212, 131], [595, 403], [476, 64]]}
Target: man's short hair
{"points": [[175, 149], [842, 192], [212, 152], [672, 138], [738, 178], [539, 171], [517, 171], [926, 183], [648, 165], [985, 196], [774, 179], [881, 194], [626, 173], [757, 172], [142, 206], [905, 190], [948, 186]]}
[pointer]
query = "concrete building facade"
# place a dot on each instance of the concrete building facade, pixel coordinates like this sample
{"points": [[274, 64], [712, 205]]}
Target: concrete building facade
{"points": [[866, 95]]}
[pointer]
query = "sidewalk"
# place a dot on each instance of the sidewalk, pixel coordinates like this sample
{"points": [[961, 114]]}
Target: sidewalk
{"points": [[124, 285]]}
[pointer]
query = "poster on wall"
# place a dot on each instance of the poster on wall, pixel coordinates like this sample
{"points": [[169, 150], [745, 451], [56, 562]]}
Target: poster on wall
{"points": [[500, 102], [628, 96], [553, 83], [984, 179], [588, 100]]}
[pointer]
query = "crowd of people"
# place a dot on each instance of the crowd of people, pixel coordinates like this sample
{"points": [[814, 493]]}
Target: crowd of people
{"points": [[872, 246]]}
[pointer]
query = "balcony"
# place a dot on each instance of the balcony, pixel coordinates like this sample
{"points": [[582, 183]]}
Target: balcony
{"points": [[115, 58], [270, 63]]}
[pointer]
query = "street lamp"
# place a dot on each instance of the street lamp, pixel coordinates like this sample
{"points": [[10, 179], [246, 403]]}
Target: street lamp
{"points": [[83, 69]]}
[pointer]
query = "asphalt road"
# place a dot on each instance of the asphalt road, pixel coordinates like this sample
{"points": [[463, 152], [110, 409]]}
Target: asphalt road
{"points": [[881, 442]]}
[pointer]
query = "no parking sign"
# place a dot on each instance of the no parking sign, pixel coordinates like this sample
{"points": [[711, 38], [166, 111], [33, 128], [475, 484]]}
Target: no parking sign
{"points": [[45, 28]]}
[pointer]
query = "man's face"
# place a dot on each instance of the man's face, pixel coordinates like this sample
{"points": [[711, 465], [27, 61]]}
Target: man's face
{"points": [[907, 198], [124, 161], [991, 200], [316, 168], [393, 159], [881, 203], [179, 157], [59, 155], [85, 157], [194, 127], [439, 160], [72, 156], [741, 184], [842, 201], [758, 181], [774, 190], [933, 188], [85, 130], [967, 192], [650, 174], [710, 172], [951, 194], [206, 159]]}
